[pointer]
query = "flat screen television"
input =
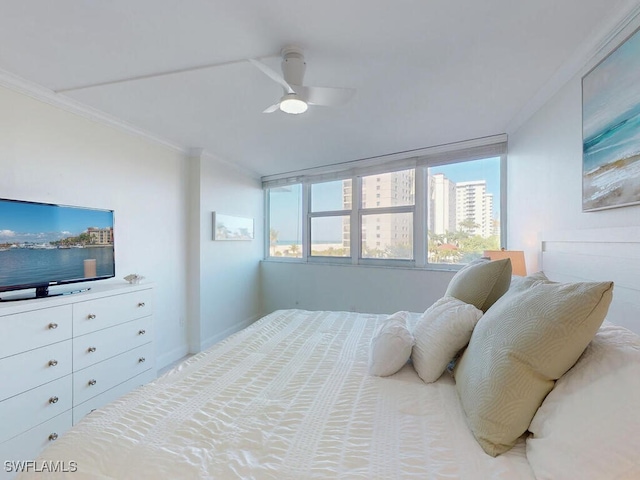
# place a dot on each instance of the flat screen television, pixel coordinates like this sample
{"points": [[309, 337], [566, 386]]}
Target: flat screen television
{"points": [[43, 244]]}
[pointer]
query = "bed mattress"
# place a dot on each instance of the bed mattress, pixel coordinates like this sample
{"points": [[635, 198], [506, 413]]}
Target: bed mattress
{"points": [[287, 398]]}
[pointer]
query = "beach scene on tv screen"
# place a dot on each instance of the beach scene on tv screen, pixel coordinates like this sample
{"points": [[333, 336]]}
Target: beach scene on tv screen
{"points": [[49, 243]]}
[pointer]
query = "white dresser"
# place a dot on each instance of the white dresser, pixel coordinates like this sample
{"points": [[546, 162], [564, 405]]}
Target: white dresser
{"points": [[62, 357]]}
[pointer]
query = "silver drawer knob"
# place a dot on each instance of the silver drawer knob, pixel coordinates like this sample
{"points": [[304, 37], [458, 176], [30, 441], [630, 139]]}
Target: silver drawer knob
{"points": [[92, 382], [53, 400], [91, 349], [142, 332], [142, 360], [91, 316], [53, 437], [53, 363], [141, 304], [53, 326]]}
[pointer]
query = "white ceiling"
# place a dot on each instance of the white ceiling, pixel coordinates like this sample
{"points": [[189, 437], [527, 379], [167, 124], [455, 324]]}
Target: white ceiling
{"points": [[427, 72]]}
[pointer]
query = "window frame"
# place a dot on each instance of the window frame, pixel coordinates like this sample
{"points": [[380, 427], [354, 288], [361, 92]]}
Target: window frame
{"points": [[397, 262], [306, 191], [267, 231], [419, 209]]}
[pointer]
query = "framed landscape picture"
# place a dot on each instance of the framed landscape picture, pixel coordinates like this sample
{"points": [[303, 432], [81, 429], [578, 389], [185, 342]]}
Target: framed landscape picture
{"points": [[611, 129], [229, 227]]}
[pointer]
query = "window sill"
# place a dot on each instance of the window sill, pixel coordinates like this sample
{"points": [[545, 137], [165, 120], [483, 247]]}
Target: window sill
{"points": [[430, 268]]}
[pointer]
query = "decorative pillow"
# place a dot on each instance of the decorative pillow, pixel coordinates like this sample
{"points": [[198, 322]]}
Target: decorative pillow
{"points": [[588, 425], [481, 283], [440, 333], [390, 346], [526, 341]]}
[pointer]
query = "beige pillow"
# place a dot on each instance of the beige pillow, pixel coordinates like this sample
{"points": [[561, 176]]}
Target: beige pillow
{"points": [[525, 342], [439, 334], [481, 283]]}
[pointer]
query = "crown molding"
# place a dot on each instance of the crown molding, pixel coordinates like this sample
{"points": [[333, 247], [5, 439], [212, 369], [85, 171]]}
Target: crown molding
{"points": [[247, 172], [45, 95], [587, 56]]}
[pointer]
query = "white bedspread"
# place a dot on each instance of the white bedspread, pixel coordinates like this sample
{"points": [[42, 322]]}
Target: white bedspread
{"points": [[287, 398]]}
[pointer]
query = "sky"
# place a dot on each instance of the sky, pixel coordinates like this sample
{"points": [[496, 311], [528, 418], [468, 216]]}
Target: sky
{"points": [[488, 169], [285, 201], [34, 222]]}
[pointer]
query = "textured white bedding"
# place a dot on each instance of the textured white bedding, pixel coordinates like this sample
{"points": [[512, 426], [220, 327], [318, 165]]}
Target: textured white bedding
{"points": [[287, 398]]}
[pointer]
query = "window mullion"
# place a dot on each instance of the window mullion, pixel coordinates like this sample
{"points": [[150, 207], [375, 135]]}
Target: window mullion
{"points": [[356, 220], [420, 217], [267, 223], [384, 210], [503, 202], [330, 213], [306, 218]]}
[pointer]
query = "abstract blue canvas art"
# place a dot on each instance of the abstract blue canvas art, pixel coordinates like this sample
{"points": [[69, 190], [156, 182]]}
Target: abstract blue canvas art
{"points": [[611, 129]]}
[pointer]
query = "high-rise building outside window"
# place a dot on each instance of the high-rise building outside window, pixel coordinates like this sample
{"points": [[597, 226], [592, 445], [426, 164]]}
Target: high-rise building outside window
{"points": [[390, 215], [464, 210]]}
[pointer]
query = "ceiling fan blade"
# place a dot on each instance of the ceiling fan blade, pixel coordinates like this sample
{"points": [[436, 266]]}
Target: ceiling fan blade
{"points": [[325, 96], [272, 108], [272, 74]]}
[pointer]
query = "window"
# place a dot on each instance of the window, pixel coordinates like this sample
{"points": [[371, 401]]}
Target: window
{"points": [[285, 221], [463, 210], [434, 208], [330, 219], [390, 215]]}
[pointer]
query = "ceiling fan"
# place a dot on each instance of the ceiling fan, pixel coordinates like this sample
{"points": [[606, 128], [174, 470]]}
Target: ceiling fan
{"points": [[297, 97]]}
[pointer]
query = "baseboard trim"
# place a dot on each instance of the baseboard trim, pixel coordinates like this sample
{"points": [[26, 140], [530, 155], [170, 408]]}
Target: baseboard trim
{"points": [[169, 357], [227, 332]]}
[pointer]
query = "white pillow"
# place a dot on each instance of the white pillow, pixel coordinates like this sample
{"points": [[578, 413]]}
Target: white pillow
{"points": [[440, 333], [390, 346], [587, 427]]}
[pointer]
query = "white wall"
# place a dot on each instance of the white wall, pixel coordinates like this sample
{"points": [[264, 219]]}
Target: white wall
{"points": [[350, 288], [227, 271], [545, 174], [51, 155]]}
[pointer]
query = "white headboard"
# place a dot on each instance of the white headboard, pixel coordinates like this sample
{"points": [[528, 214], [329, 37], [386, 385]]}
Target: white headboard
{"points": [[598, 255]]}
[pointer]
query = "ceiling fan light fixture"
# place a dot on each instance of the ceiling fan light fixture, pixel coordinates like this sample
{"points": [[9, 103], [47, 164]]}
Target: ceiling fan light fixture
{"points": [[293, 104]]}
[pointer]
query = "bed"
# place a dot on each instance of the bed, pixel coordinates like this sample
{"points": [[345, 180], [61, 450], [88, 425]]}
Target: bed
{"points": [[292, 397]]}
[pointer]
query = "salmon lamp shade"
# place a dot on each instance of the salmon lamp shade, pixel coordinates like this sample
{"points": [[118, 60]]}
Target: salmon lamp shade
{"points": [[518, 266]]}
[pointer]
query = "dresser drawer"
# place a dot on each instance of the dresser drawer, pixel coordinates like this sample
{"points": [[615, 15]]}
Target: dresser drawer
{"points": [[33, 329], [106, 312], [91, 381], [27, 370], [103, 344], [34, 407], [28, 445], [80, 411]]}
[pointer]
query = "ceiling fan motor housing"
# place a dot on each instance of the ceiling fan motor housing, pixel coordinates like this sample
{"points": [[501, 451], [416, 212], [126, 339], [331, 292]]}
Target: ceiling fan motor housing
{"points": [[293, 65]]}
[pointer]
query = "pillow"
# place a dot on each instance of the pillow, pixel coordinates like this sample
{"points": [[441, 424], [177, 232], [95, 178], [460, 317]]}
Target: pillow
{"points": [[481, 283], [518, 283], [390, 346], [588, 425], [527, 340], [439, 334]]}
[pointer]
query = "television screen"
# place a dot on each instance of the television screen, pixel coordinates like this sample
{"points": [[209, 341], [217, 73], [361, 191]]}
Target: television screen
{"points": [[44, 244]]}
